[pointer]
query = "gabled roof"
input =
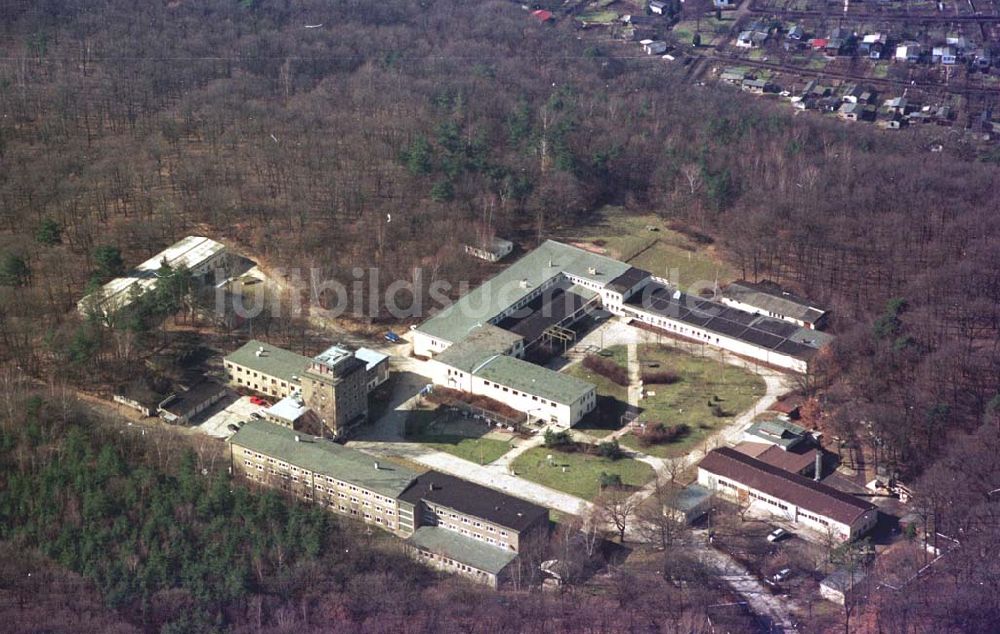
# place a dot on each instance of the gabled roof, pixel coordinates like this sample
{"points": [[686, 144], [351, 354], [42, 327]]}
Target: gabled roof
{"points": [[764, 332], [815, 497], [324, 457]]}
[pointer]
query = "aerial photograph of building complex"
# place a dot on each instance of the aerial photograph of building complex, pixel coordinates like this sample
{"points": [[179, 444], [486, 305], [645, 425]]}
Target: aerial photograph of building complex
{"points": [[482, 316]]}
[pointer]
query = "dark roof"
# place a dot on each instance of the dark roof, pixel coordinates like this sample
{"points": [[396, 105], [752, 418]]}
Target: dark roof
{"points": [[628, 279], [812, 496], [759, 330], [473, 499], [548, 309], [185, 403]]}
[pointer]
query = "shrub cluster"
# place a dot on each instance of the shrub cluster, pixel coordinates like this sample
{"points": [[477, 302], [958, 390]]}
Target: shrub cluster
{"points": [[660, 377], [659, 434], [606, 368]]}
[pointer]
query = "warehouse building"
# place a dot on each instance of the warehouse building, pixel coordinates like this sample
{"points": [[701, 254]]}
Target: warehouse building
{"points": [[199, 255], [787, 495]]}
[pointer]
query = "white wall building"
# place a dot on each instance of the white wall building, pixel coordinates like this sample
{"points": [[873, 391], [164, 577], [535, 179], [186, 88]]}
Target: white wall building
{"points": [[786, 495]]}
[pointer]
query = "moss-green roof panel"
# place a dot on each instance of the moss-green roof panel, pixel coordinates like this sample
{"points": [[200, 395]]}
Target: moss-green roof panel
{"points": [[274, 361], [465, 550], [324, 457], [534, 379], [482, 343], [521, 278]]}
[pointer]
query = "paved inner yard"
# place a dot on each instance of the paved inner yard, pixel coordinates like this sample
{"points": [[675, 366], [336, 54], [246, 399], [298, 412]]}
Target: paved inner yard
{"points": [[232, 409]]}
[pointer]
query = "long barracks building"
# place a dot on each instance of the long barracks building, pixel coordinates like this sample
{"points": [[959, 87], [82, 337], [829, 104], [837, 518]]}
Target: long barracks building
{"points": [[448, 523]]}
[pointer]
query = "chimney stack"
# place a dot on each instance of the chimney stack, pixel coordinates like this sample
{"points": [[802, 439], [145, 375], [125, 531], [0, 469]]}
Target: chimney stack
{"points": [[818, 472], [298, 438], [376, 465]]}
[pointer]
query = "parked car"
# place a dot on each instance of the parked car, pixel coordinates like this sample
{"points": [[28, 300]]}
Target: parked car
{"points": [[777, 535], [781, 575], [392, 337], [259, 402], [256, 416], [232, 427]]}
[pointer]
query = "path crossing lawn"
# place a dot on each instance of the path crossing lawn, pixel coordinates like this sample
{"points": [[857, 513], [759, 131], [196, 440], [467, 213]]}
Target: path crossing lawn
{"points": [[703, 381], [577, 473]]}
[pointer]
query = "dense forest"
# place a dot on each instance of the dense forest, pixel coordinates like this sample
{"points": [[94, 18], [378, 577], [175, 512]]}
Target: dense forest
{"points": [[151, 521], [393, 130]]}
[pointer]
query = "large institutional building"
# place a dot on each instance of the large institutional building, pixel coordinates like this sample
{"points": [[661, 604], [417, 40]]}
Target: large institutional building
{"points": [[476, 344], [333, 385], [448, 523]]}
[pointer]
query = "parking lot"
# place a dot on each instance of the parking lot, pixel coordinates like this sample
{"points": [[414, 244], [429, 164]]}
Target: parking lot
{"points": [[230, 410]]}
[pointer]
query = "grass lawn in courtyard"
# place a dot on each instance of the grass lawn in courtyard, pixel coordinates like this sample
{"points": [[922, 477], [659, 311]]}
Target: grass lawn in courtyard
{"points": [[688, 400], [578, 473], [612, 399], [462, 437]]}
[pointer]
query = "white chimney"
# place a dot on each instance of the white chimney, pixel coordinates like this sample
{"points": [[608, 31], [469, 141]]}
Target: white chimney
{"points": [[592, 270], [819, 466], [376, 465], [298, 438]]}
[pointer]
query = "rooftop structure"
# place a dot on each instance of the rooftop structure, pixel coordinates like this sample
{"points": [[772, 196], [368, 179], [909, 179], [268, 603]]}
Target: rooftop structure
{"points": [[195, 253], [324, 457], [371, 358], [334, 360], [475, 500], [770, 300], [778, 432], [815, 497]]}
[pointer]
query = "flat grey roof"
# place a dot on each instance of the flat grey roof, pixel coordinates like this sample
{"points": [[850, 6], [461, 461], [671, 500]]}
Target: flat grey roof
{"points": [[462, 549], [275, 361], [534, 269], [371, 357], [324, 457], [771, 298]]}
